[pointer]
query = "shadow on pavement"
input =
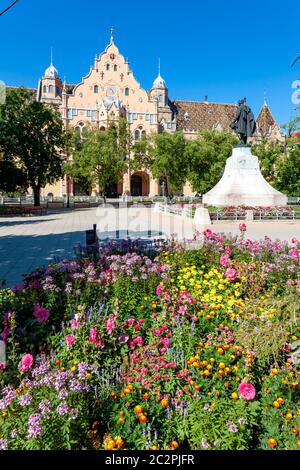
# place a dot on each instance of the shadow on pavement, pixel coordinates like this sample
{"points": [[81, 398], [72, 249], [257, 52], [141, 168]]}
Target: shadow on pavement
{"points": [[22, 254]]}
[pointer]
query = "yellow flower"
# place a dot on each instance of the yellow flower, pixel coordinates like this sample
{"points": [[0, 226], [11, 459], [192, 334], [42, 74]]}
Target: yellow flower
{"points": [[234, 395]]}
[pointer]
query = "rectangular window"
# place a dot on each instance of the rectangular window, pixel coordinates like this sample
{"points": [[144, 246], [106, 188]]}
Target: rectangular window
{"points": [[147, 117], [89, 113], [134, 116], [94, 115], [169, 125], [151, 118], [130, 119]]}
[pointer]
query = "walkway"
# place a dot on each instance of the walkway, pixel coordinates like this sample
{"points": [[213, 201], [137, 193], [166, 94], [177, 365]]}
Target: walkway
{"points": [[29, 242]]}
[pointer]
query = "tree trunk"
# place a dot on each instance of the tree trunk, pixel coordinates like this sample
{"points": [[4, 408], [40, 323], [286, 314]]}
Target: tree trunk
{"points": [[36, 196]]}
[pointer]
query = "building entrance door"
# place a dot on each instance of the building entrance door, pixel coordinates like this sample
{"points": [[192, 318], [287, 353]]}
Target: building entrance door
{"points": [[136, 185]]}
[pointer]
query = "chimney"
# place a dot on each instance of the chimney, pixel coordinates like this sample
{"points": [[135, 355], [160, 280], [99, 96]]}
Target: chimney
{"points": [[206, 99]]}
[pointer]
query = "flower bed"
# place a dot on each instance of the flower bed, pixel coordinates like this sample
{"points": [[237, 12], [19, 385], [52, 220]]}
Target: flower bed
{"points": [[193, 349]]}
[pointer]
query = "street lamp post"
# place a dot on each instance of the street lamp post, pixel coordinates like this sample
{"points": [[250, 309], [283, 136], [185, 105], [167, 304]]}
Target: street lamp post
{"points": [[68, 192]]}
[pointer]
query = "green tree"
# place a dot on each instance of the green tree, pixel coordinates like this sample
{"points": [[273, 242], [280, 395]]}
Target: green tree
{"points": [[32, 138], [292, 126], [269, 154], [289, 169], [98, 157], [206, 158], [11, 178], [167, 159]]}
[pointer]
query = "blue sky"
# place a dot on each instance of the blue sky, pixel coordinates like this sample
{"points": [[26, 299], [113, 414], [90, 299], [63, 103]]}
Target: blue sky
{"points": [[223, 49]]}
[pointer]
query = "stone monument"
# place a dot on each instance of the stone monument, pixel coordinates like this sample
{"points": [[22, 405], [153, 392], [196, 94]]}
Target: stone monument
{"points": [[242, 183]]}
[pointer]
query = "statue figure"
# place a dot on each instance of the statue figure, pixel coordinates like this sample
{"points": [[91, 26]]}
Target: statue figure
{"points": [[244, 122]]}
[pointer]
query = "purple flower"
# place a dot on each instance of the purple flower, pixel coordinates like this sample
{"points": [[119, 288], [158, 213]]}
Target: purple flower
{"points": [[204, 443], [3, 444], [123, 338], [62, 409], [34, 428], [45, 407], [231, 426], [25, 400]]}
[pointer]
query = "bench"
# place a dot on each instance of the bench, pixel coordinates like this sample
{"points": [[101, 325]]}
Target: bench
{"points": [[55, 205]]}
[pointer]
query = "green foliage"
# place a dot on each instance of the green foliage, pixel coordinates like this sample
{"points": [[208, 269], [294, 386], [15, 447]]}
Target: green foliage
{"points": [[32, 139], [270, 154], [289, 169], [168, 159], [98, 157], [206, 158]]}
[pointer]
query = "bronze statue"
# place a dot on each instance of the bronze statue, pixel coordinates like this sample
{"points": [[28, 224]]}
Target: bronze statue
{"points": [[244, 122]]}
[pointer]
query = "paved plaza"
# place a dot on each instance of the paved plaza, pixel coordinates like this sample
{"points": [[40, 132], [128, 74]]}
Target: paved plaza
{"points": [[29, 242]]}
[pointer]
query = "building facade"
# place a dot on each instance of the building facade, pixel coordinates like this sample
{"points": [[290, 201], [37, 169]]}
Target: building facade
{"points": [[110, 91]]}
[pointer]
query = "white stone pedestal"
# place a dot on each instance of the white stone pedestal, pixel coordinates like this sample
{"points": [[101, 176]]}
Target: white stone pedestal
{"points": [[243, 184], [202, 217]]}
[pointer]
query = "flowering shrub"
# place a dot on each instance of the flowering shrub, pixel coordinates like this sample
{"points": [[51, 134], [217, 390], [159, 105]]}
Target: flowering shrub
{"points": [[158, 350]]}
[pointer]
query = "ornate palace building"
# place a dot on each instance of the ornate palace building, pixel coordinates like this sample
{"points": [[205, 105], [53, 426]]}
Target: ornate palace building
{"points": [[110, 91]]}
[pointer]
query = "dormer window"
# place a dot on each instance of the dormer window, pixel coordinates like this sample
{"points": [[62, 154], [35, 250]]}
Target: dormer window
{"points": [[126, 91], [186, 116], [107, 66]]}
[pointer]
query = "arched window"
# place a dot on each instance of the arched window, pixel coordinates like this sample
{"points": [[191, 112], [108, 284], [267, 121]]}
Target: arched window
{"points": [[96, 89], [126, 91], [115, 68], [45, 89], [107, 66], [51, 89], [137, 135], [102, 128], [143, 133]]}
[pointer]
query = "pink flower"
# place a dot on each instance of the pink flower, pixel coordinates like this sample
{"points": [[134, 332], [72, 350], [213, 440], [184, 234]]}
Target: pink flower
{"points": [[182, 309], [231, 274], [294, 253], [207, 233], [94, 339], [159, 289], [70, 340], [110, 325], [2, 366], [298, 283], [93, 334], [247, 391], [130, 321], [41, 314], [75, 324], [26, 363], [224, 260], [243, 227]]}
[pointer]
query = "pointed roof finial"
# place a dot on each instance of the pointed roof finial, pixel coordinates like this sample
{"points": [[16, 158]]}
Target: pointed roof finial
{"points": [[51, 57], [265, 98], [112, 30], [159, 66]]}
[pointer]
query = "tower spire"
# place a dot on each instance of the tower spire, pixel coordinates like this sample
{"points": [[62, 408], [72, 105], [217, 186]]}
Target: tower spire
{"points": [[51, 57], [265, 98], [112, 30], [159, 66]]}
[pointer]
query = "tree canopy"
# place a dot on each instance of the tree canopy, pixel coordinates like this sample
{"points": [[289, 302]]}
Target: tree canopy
{"points": [[32, 140], [99, 157]]}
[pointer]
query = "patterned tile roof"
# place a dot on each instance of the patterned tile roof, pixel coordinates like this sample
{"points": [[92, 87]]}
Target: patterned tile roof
{"points": [[196, 115]]}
